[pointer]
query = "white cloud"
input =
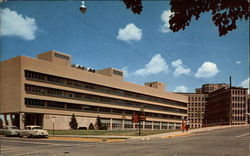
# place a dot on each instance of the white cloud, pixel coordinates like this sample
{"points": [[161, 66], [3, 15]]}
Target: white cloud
{"points": [[181, 71], [245, 83], [238, 62], [176, 63], [125, 71], [130, 32], [14, 24], [156, 65], [165, 16], [181, 89], [207, 69], [180, 68]]}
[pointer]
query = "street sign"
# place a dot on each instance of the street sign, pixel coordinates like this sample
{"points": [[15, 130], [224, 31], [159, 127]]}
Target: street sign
{"points": [[135, 118], [143, 118]]}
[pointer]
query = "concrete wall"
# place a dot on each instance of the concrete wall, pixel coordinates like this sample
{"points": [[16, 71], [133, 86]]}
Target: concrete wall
{"points": [[10, 85], [62, 122]]}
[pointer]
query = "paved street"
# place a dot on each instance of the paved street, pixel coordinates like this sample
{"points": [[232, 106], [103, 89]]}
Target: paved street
{"points": [[228, 142]]}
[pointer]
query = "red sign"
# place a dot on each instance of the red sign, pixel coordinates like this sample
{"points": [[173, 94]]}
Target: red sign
{"points": [[135, 118], [143, 118]]}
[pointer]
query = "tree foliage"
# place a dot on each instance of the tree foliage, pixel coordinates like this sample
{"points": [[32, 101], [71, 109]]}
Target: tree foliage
{"points": [[73, 123], [91, 126], [225, 13], [98, 123]]}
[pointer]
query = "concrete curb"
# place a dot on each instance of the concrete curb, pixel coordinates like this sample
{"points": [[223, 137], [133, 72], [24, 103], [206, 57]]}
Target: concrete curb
{"points": [[86, 139]]}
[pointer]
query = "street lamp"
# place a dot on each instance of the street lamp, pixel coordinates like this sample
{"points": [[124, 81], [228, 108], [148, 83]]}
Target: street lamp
{"points": [[53, 121], [83, 8]]}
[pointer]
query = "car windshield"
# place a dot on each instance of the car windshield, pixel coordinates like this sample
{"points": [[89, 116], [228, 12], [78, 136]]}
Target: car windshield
{"points": [[13, 127], [36, 128]]}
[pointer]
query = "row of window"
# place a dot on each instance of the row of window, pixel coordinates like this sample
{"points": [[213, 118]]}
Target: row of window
{"points": [[239, 118], [84, 85], [62, 56], [239, 112], [237, 98], [196, 98], [117, 124], [196, 104], [70, 106], [239, 105], [88, 97], [196, 110], [239, 92]]}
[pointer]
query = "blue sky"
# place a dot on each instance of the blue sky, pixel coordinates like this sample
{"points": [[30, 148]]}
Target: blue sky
{"points": [[109, 35]]}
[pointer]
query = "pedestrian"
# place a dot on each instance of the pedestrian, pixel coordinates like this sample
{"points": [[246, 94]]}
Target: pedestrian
{"points": [[183, 126], [187, 124]]}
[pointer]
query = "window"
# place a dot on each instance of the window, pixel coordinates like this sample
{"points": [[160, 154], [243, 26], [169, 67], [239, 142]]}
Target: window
{"points": [[117, 72], [62, 56]]}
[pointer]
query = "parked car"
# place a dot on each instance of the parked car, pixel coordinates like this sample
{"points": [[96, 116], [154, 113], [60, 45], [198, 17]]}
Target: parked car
{"points": [[9, 131], [33, 131]]}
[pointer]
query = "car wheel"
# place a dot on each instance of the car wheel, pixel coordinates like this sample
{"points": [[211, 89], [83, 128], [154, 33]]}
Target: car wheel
{"points": [[30, 136]]}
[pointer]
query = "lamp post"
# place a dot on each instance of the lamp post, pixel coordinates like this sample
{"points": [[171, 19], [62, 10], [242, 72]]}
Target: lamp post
{"points": [[53, 124], [83, 8]]}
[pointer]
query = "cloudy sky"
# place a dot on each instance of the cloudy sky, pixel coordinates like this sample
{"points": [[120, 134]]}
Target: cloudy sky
{"points": [[109, 35]]}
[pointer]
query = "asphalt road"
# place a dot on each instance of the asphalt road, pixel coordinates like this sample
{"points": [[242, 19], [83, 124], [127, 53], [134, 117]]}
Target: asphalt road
{"points": [[233, 141]]}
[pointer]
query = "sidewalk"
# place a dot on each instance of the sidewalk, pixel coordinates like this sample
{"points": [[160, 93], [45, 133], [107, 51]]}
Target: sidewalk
{"points": [[100, 138]]}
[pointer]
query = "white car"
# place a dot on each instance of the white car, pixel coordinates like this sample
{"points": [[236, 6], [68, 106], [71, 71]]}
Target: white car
{"points": [[9, 131], [33, 131]]}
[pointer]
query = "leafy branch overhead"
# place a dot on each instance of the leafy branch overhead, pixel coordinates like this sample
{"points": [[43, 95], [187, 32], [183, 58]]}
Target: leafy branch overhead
{"points": [[225, 13]]}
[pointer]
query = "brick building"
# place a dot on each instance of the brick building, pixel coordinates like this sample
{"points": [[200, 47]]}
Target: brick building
{"points": [[226, 106], [216, 104]]}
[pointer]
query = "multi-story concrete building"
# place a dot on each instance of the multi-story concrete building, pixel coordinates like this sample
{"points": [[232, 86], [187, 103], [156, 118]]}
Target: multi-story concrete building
{"points": [[48, 89], [226, 106]]}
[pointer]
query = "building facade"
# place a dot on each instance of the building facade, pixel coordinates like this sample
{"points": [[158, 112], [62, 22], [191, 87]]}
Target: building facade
{"points": [[47, 90], [196, 108], [217, 104], [227, 106]]}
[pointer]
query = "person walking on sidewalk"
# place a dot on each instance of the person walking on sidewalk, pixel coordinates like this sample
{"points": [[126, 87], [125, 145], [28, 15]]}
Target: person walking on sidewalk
{"points": [[183, 125], [187, 124]]}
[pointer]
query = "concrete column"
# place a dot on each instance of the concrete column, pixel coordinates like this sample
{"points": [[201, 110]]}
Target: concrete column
{"points": [[123, 124], [133, 126], [160, 125], [21, 121], [110, 127], [3, 119], [11, 119], [143, 125], [167, 125], [152, 125]]}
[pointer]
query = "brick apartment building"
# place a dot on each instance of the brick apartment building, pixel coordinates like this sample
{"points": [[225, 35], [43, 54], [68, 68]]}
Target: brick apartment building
{"points": [[217, 104], [227, 106]]}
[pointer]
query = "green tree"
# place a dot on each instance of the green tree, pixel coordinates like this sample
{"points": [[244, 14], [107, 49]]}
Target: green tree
{"points": [[91, 126], [225, 13], [98, 123], [73, 123]]}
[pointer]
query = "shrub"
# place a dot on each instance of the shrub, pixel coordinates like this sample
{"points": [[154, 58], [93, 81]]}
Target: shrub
{"points": [[98, 123], [73, 123], [91, 126]]}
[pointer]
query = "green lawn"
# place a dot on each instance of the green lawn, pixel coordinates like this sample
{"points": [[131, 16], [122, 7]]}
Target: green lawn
{"points": [[108, 133]]}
